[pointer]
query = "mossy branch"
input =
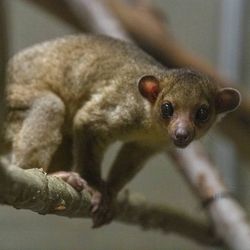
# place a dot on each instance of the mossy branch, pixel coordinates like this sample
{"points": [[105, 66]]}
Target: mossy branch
{"points": [[45, 194]]}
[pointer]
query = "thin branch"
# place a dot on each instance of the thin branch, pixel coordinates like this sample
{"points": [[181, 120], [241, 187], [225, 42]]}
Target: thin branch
{"points": [[229, 219]]}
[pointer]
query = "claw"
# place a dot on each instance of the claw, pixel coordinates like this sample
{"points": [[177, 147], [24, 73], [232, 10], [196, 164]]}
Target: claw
{"points": [[102, 209]]}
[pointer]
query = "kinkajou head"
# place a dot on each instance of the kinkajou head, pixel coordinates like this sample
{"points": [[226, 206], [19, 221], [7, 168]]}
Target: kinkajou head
{"points": [[186, 103]]}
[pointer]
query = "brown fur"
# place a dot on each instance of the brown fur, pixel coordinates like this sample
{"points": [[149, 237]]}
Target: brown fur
{"points": [[70, 98]]}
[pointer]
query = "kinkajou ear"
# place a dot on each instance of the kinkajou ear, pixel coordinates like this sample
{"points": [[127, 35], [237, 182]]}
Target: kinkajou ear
{"points": [[148, 86], [227, 100]]}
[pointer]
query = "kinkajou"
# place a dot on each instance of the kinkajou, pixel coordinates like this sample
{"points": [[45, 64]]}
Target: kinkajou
{"points": [[94, 90]]}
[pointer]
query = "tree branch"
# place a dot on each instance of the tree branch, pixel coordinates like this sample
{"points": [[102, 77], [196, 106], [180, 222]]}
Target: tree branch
{"points": [[229, 220], [45, 194]]}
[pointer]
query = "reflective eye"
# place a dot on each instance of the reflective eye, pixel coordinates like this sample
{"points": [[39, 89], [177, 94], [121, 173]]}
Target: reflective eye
{"points": [[202, 114], [167, 110]]}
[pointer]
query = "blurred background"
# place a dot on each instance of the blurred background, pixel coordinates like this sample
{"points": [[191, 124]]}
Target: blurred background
{"points": [[217, 30]]}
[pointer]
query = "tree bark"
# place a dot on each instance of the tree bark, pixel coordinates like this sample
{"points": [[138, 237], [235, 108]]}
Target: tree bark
{"points": [[33, 189]]}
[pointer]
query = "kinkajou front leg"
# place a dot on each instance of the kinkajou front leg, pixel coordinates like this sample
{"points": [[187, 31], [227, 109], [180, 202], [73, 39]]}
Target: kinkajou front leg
{"points": [[88, 149], [128, 163], [88, 154]]}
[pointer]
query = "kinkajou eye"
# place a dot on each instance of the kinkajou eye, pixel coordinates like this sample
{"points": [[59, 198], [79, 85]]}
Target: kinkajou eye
{"points": [[202, 114], [167, 110]]}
